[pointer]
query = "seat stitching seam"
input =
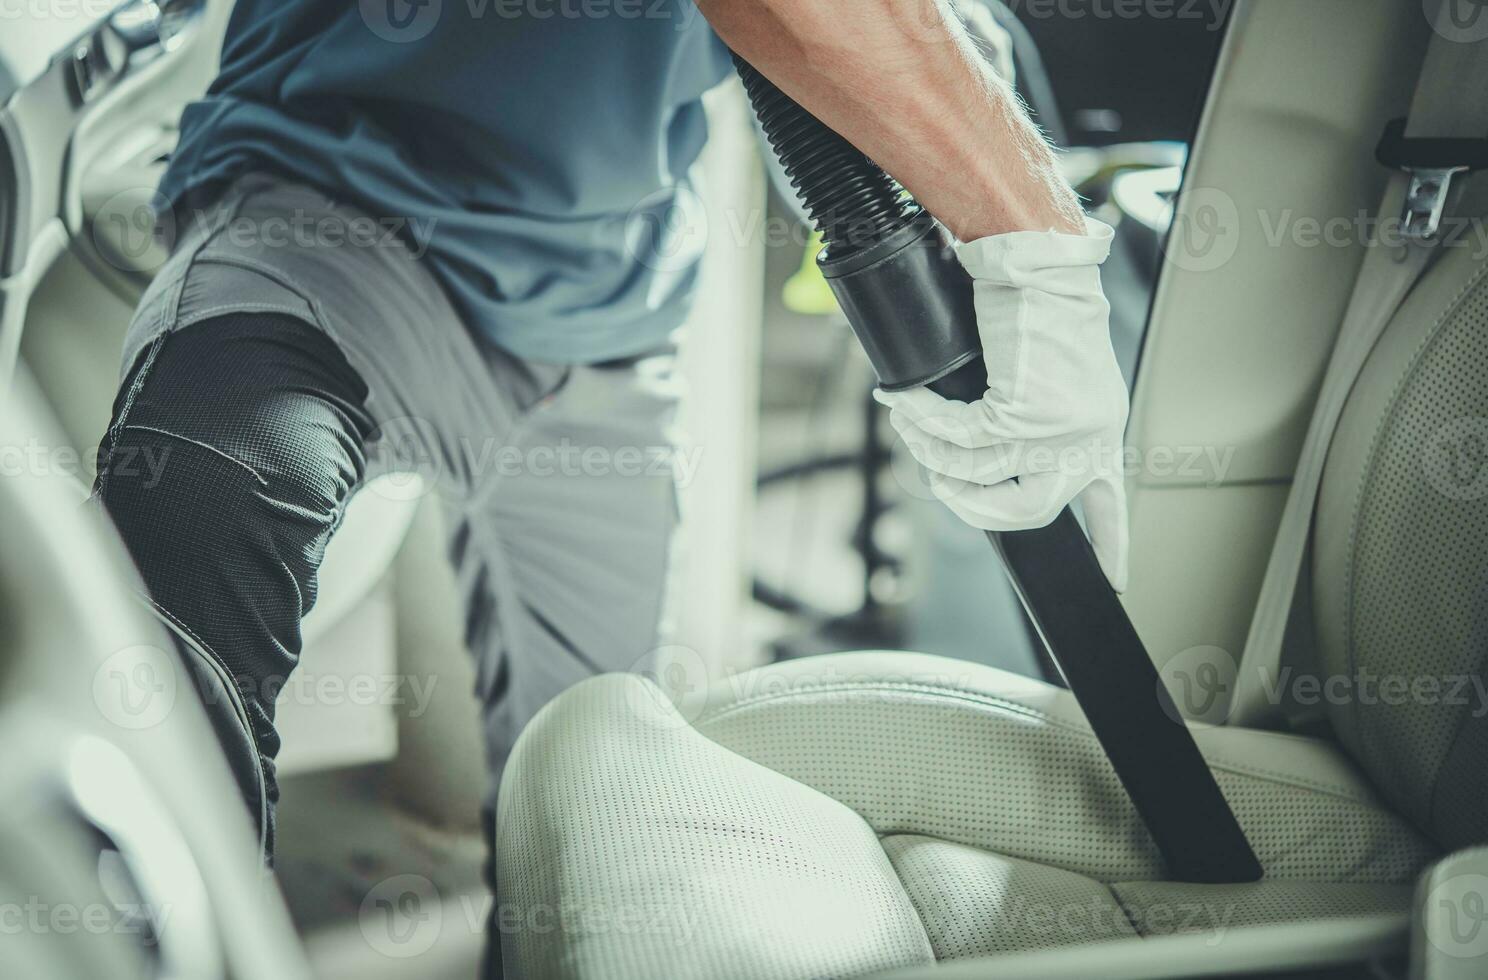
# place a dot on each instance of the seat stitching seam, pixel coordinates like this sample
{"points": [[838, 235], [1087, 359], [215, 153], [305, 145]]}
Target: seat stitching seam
{"points": [[1017, 709], [1457, 734], [1121, 904], [1272, 775], [1012, 707], [1004, 850], [1109, 886], [904, 888]]}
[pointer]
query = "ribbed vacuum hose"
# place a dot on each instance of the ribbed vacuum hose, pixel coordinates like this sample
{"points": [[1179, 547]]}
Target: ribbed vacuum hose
{"points": [[852, 202]]}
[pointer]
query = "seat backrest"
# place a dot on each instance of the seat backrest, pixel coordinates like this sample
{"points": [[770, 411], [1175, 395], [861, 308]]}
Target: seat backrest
{"points": [[1400, 551]]}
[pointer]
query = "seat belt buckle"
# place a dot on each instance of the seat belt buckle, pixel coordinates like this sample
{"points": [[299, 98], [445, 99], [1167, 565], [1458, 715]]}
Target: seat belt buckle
{"points": [[1432, 163]]}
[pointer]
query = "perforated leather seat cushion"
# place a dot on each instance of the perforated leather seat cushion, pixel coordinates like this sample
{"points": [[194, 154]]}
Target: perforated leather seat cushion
{"points": [[847, 814]]}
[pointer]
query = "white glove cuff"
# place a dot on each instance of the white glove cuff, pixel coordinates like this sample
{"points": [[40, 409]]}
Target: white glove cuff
{"points": [[1019, 257]]}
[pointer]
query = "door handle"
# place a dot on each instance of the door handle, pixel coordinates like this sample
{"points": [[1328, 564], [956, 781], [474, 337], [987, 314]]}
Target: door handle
{"points": [[146, 25], [137, 25]]}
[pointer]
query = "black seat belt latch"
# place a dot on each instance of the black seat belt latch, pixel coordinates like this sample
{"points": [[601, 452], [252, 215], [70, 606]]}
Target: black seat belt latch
{"points": [[1432, 163]]}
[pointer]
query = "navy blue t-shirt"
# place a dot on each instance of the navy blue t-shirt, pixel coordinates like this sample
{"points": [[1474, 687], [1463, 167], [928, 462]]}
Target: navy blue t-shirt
{"points": [[538, 150]]}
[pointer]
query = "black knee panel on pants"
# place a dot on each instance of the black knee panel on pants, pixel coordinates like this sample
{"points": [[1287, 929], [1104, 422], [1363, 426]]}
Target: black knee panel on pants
{"points": [[234, 446]]}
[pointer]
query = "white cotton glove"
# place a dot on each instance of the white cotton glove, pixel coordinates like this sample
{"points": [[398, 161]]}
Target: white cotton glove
{"points": [[1056, 404]]}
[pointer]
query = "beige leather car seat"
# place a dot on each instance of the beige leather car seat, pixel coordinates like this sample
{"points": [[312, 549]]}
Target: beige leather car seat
{"points": [[844, 815]]}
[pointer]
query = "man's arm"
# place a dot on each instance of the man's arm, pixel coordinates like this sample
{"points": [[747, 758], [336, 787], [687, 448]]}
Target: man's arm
{"points": [[903, 83]]}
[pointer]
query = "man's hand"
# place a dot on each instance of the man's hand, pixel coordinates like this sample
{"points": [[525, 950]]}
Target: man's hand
{"points": [[1049, 428], [901, 81]]}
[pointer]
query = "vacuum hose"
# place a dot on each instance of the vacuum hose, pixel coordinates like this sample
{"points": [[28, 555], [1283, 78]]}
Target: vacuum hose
{"points": [[889, 263], [892, 268], [845, 193]]}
